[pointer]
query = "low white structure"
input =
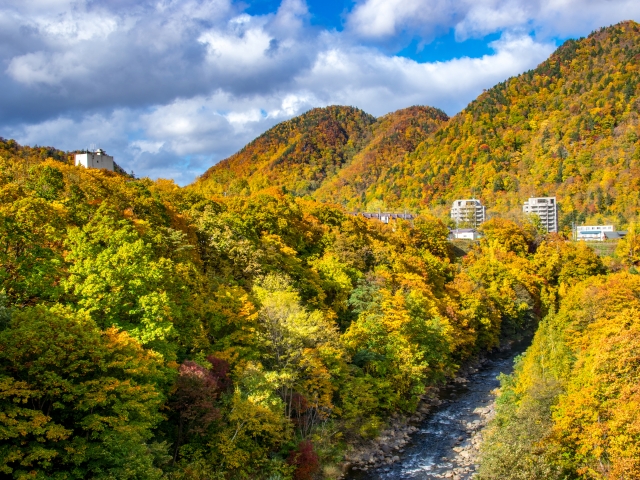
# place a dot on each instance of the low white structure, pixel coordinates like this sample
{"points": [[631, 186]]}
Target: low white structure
{"points": [[546, 208], [464, 234], [593, 233], [97, 159], [386, 217], [470, 212]]}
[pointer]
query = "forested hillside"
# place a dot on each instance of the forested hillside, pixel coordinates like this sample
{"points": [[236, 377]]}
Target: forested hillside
{"points": [[147, 331], [569, 128], [393, 137], [298, 154], [571, 408]]}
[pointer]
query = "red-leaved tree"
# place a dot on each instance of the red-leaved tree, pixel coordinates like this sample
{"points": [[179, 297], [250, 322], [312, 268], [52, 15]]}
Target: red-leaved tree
{"points": [[194, 399], [305, 460]]}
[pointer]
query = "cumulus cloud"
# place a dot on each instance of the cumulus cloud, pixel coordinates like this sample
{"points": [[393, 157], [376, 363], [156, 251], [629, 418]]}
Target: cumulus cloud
{"points": [[172, 87], [92, 56], [381, 83], [382, 19]]}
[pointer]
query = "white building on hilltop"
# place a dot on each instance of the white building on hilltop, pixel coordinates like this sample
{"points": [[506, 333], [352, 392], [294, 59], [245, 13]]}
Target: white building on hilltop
{"points": [[546, 208], [470, 212], [97, 159], [593, 233]]}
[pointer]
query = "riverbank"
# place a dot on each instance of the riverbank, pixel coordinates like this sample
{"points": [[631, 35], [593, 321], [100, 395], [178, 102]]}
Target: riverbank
{"points": [[442, 439]]}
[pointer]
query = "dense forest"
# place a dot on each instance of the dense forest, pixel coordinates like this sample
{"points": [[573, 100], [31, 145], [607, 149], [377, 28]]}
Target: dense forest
{"points": [[147, 331], [569, 128], [240, 328], [571, 408], [299, 154]]}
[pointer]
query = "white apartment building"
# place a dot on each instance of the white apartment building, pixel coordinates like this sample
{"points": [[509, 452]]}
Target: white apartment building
{"points": [[97, 159], [469, 211], [546, 208], [593, 233]]}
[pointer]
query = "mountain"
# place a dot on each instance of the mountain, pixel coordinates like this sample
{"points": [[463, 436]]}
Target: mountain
{"points": [[298, 154], [568, 128], [341, 149], [393, 137]]}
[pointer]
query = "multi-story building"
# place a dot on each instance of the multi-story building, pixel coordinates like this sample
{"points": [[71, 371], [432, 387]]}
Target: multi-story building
{"points": [[468, 212], [546, 208], [593, 233], [96, 159]]}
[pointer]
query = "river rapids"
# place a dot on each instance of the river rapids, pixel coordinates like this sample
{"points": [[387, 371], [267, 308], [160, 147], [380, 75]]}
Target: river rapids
{"points": [[446, 442]]}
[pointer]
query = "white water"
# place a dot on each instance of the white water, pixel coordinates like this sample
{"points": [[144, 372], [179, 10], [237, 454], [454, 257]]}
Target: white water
{"points": [[431, 453]]}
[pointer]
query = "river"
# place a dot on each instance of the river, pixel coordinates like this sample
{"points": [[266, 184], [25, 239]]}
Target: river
{"points": [[445, 438]]}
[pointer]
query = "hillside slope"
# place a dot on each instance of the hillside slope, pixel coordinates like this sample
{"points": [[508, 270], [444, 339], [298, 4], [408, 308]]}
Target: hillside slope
{"points": [[298, 154], [393, 137], [142, 322]]}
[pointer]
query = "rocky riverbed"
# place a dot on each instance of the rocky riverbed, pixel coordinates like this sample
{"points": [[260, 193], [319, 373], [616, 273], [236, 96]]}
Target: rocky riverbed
{"points": [[442, 439]]}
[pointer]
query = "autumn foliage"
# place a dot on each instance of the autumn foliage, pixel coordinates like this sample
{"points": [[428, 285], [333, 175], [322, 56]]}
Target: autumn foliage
{"points": [[239, 328], [241, 337], [571, 408], [305, 461]]}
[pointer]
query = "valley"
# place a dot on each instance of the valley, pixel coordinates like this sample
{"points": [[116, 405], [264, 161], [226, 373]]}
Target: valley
{"points": [[256, 324], [446, 443]]}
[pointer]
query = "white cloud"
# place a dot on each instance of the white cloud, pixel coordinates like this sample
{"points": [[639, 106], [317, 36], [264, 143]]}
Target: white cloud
{"points": [[180, 139], [70, 134], [472, 18], [237, 52], [146, 146], [379, 83], [385, 18]]}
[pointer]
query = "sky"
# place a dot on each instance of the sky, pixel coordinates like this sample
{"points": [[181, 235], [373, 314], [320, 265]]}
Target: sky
{"points": [[171, 87]]}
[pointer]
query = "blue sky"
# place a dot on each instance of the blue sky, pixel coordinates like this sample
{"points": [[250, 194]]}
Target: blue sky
{"points": [[170, 87]]}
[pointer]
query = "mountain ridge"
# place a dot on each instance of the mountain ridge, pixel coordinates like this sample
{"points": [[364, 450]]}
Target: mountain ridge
{"points": [[289, 149]]}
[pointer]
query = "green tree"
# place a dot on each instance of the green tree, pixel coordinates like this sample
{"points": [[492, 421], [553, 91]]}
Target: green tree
{"points": [[76, 402], [117, 278], [294, 341], [31, 234]]}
